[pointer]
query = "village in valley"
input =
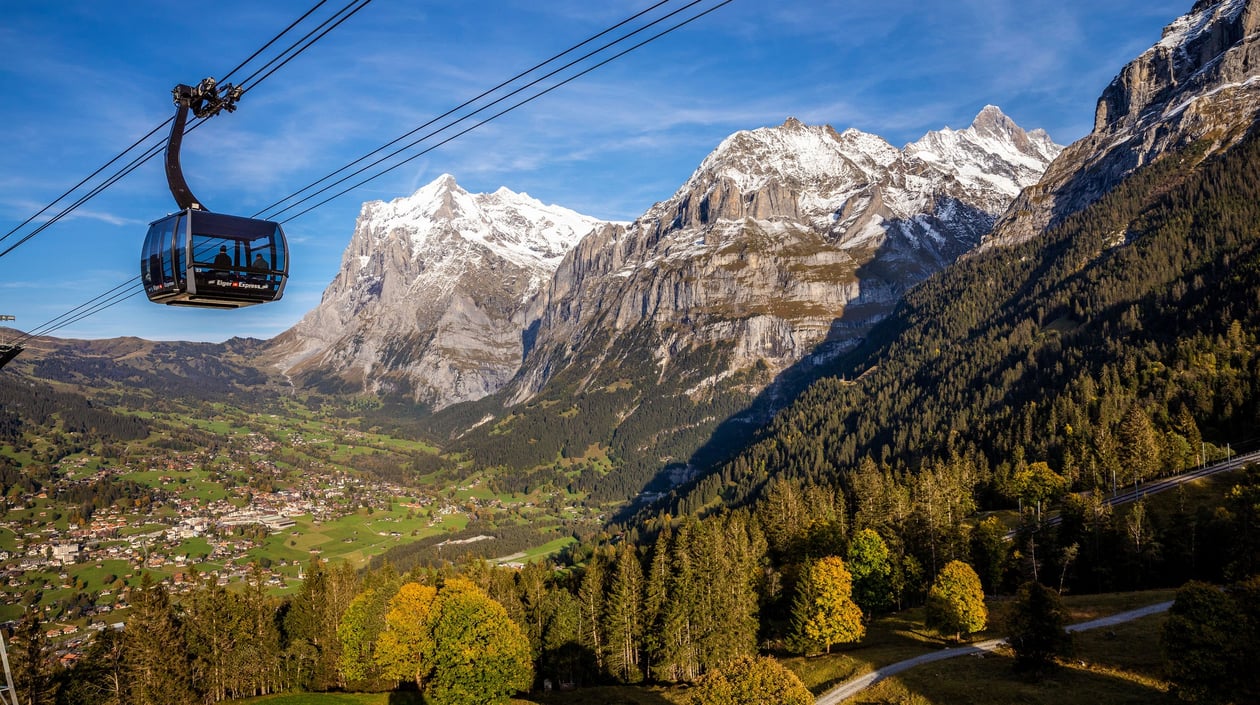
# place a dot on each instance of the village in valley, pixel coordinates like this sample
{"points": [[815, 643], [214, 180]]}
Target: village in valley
{"points": [[255, 507]]}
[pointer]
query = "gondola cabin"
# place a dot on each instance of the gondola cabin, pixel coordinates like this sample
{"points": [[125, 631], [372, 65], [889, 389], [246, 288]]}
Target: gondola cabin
{"points": [[214, 260]]}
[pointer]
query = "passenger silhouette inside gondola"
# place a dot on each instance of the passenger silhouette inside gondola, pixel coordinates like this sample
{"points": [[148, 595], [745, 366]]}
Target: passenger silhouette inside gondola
{"points": [[259, 264], [223, 259]]}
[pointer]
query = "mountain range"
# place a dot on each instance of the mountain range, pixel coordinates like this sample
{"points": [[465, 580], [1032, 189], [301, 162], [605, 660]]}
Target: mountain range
{"points": [[537, 335], [786, 242]]}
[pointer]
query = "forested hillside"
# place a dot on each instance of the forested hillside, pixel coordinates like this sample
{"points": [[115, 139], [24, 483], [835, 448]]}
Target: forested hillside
{"points": [[1109, 348]]}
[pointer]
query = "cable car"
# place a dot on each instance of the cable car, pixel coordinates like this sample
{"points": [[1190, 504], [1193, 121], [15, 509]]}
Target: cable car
{"points": [[212, 260]]}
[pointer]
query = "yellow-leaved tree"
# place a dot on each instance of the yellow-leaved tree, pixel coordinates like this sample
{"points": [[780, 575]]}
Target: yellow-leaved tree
{"points": [[456, 643], [955, 602], [404, 650], [750, 680], [824, 612]]}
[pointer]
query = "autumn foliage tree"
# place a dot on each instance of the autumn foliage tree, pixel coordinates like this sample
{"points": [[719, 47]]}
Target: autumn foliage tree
{"points": [[750, 680], [456, 643], [480, 656], [955, 602], [824, 612], [404, 650]]}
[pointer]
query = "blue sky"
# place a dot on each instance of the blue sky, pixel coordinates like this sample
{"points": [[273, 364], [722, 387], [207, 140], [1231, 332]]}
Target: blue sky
{"points": [[82, 80]]}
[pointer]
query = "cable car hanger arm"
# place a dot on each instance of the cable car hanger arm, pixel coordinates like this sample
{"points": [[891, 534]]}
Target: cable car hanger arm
{"points": [[206, 99]]}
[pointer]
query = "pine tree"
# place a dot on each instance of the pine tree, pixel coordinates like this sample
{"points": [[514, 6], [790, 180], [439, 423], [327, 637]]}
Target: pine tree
{"points": [[1139, 448], [311, 623], [655, 602], [591, 603], [259, 658], [210, 617], [1037, 628], [30, 655]]}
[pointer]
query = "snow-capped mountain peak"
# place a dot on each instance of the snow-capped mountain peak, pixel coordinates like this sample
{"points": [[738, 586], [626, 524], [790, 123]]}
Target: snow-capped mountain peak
{"points": [[434, 291], [510, 225], [781, 234], [1198, 84]]}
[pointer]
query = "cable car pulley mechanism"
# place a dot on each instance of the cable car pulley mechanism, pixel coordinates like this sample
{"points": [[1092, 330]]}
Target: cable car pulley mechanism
{"points": [[211, 260]]}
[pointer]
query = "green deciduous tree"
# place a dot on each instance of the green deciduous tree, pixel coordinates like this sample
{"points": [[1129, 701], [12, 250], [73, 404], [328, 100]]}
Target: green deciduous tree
{"points": [[955, 602], [871, 566], [1037, 483], [480, 656], [1203, 655], [360, 628], [989, 552], [824, 612], [750, 680]]}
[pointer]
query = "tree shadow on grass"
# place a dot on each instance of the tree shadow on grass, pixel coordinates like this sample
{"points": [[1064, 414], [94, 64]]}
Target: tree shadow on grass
{"points": [[602, 695]]}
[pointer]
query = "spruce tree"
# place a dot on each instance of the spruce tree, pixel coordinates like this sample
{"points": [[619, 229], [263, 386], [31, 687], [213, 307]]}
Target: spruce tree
{"points": [[1037, 628], [623, 616], [155, 651]]}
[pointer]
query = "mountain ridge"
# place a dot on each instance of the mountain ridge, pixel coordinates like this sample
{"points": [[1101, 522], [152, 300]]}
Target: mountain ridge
{"points": [[1196, 83], [432, 297]]}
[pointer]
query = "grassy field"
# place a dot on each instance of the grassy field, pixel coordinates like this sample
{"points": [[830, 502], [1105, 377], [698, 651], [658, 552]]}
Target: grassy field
{"points": [[888, 640], [1117, 665], [1121, 664], [902, 636]]}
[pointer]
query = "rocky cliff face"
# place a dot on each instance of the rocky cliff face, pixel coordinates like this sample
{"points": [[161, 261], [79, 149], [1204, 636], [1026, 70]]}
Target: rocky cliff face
{"points": [[1199, 83], [787, 242], [433, 297]]}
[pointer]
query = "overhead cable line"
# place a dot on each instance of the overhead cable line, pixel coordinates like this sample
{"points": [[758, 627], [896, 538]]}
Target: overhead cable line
{"points": [[87, 178], [325, 26], [461, 106], [87, 309], [293, 50], [271, 41], [489, 119]]}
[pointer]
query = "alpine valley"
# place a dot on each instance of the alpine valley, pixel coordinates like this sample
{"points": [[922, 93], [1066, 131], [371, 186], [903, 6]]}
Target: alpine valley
{"points": [[825, 380], [635, 341]]}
